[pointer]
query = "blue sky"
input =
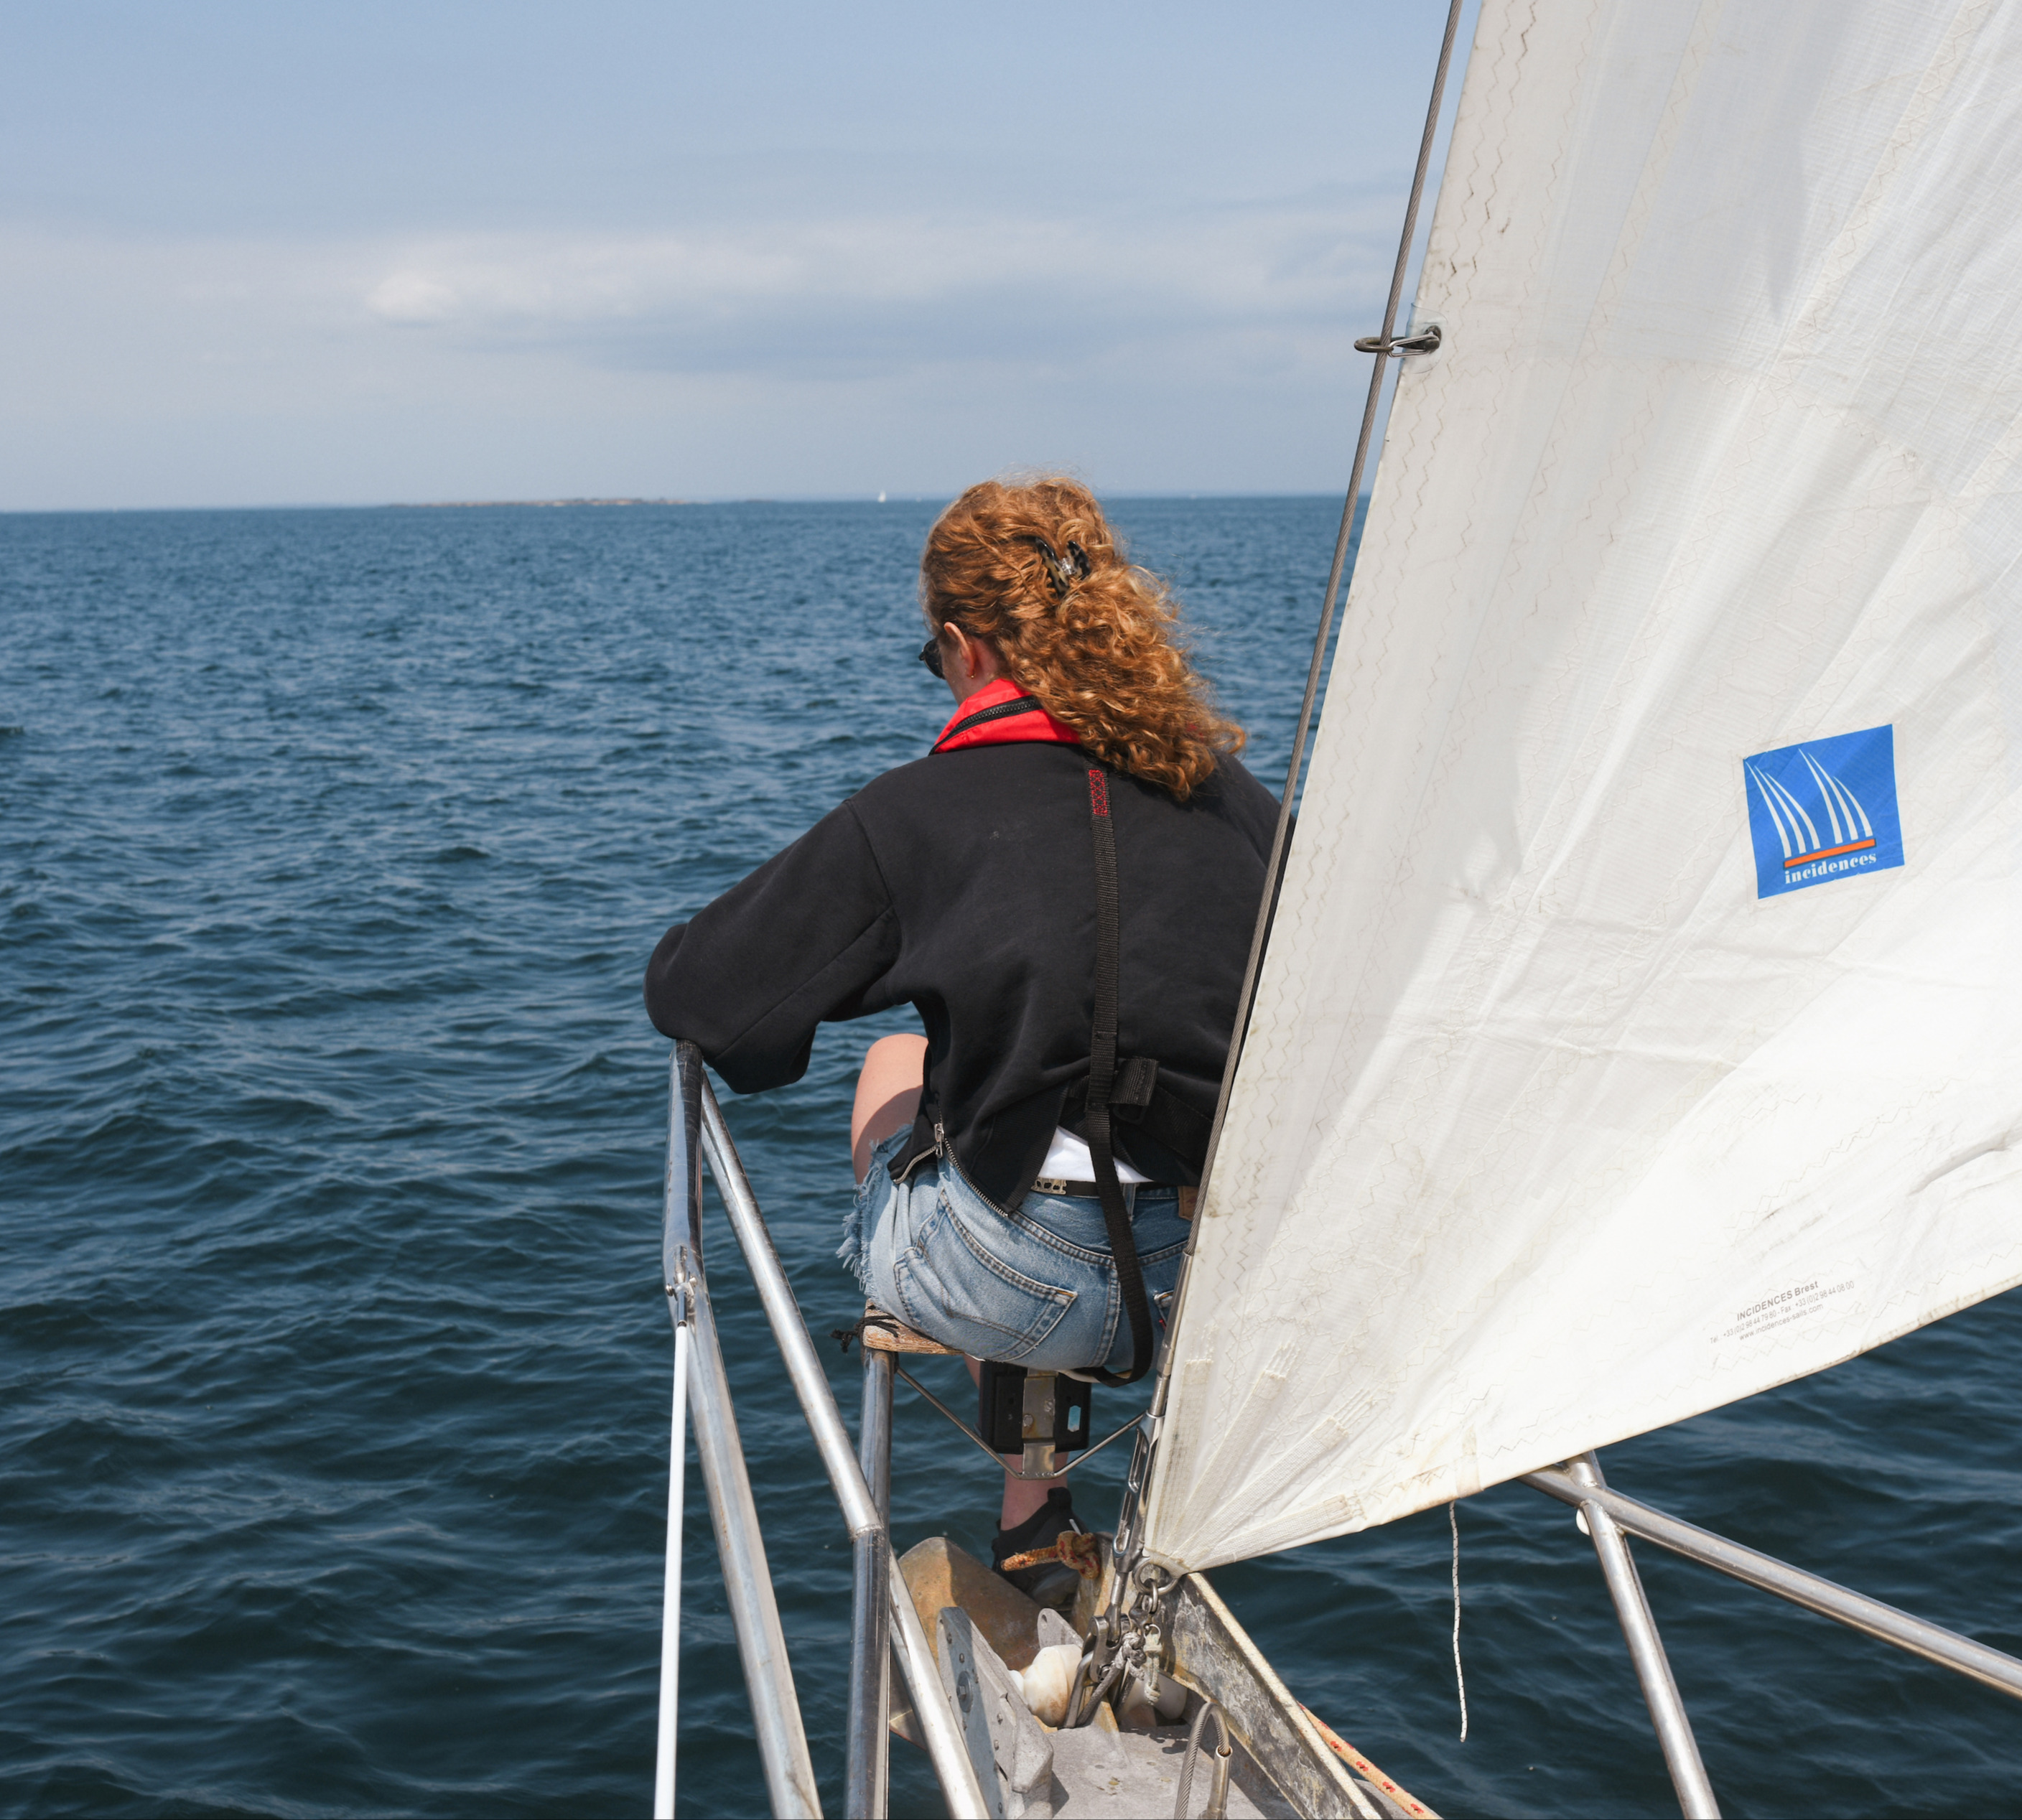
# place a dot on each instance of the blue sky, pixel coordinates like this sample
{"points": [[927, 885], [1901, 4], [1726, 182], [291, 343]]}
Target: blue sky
{"points": [[268, 253]]}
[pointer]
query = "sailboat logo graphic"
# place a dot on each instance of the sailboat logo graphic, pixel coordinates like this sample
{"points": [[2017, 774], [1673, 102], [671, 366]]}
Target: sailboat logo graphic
{"points": [[1855, 837], [1823, 809]]}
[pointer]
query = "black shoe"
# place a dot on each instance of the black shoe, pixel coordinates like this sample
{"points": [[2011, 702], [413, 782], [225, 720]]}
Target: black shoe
{"points": [[1047, 1582]]}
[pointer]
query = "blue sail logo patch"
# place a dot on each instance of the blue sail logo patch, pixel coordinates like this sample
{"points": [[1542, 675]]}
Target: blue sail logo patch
{"points": [[1823, 809]]}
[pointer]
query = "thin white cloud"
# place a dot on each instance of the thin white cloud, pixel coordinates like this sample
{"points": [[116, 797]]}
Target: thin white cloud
{"points": [[905, 350], [752, 298], [413, 297]]}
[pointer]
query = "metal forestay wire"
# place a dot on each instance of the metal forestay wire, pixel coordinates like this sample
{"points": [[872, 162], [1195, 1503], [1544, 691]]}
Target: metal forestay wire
{"points": [[1383, 346]]}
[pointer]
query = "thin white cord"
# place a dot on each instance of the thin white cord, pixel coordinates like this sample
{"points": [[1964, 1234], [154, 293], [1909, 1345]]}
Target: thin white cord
{"points": [[1460, 1680]]}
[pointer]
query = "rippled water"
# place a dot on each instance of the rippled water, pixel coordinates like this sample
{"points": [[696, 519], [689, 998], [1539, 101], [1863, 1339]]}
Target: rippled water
{"points": [[331, 847]]}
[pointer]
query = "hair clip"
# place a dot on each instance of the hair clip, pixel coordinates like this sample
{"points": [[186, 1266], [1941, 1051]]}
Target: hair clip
{"points": [[1061, 576]]}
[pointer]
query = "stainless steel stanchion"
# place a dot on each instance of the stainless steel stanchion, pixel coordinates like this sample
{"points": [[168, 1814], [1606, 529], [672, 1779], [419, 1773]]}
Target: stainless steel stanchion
{"points": [[931, 1706], [866, 1785], [1976, 1660], [1646, 1650], [747, 1584]]}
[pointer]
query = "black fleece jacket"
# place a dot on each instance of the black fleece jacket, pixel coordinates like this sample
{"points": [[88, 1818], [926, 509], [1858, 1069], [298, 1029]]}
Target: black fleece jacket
{"points": [[963, 884]]}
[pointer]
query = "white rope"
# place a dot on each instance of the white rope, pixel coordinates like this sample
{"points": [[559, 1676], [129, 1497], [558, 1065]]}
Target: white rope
{"points": [[1460, 1680]]}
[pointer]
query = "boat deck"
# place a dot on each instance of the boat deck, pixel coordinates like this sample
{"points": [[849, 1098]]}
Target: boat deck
{"points": [[1284, 1762], [1102, 1775]]}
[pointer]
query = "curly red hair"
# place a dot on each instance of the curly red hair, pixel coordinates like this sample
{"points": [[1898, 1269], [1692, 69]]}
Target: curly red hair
{"points": [[1032, 568]]}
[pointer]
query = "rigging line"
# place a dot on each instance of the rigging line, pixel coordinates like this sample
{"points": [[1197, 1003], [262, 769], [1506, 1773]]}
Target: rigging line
{"points": [[1275, 868], [1460, 1680]]}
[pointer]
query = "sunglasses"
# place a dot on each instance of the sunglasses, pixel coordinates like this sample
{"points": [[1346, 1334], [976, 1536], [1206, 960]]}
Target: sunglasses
{"points": [[930, 656]]}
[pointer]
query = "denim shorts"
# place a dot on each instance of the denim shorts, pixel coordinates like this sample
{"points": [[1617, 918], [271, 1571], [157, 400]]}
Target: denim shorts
{"points": [[1036, 1287]]}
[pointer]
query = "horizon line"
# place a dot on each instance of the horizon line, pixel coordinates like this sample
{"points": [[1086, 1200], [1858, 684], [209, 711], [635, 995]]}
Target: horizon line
{"points": [[615, 501]]}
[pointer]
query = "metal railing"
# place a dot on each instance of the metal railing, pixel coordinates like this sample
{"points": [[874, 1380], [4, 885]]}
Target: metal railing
{"points": [[1608, 1517], [866, 1774], [883, 1621], [1918, 1635], [1646, 1649], [941, 1728], [747, 1582]]}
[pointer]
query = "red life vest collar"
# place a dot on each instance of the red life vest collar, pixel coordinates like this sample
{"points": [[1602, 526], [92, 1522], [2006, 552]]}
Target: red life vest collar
{"points": [[1001, 713]]}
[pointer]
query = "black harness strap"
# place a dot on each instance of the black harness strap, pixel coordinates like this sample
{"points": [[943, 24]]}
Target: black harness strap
{"points": [[1102, 1079], [1141, 1101]]}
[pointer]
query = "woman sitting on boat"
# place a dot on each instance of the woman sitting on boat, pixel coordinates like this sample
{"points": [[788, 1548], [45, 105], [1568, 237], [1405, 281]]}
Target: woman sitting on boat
{"points": [[1065, 888]]}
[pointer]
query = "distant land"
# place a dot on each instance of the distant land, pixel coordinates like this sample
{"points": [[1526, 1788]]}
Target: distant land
{"points": [[930, 499], [454, 504]]}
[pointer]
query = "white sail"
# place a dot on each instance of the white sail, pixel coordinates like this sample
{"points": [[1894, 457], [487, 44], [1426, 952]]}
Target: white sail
{"points": [[1642, 1021]]}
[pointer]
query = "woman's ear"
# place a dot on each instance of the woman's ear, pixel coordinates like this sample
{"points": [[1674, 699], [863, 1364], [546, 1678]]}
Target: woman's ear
{"points": [[970, 662]]}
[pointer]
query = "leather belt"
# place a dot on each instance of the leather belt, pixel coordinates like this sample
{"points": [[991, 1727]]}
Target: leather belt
{"points": [[1090, 1191]]}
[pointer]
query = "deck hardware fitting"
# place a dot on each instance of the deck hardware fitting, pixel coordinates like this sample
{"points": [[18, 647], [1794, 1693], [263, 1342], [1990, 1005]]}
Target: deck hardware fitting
{"points": [[1224, 1753], [1424, 341], [996, 1458]]}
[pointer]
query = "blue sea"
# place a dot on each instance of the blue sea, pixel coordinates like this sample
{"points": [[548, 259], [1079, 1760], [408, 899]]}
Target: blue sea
{"points": [[332, 1440]]}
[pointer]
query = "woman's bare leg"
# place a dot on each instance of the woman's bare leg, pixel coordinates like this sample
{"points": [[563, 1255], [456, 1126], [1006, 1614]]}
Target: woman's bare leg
{"points": [[1022, 1496], [888, 1094]]}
